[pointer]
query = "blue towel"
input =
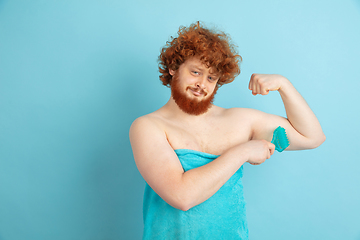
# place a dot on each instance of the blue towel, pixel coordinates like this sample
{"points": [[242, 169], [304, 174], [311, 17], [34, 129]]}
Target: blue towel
{"points": [[222, 216]]}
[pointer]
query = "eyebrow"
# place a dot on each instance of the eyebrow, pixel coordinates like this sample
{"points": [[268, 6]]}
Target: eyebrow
{"points": [[197, 67]]}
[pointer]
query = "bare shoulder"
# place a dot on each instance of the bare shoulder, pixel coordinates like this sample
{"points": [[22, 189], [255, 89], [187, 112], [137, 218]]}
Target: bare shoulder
{"points": [[242, 114], [237, 110], [147, 136], [150, 121]]}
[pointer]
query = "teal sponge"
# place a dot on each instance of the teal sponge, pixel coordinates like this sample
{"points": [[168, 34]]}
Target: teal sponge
{"points": [[280, 139]]}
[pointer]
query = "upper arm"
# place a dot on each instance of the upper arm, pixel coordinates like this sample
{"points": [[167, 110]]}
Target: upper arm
{"points": [[155, 158], [264, 125]]}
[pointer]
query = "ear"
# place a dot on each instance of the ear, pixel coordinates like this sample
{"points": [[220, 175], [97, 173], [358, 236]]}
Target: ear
{"points": [[172, 72]]}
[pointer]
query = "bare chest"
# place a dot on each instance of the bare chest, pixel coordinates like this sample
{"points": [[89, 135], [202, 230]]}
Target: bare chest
{"points": [[214, 138]]}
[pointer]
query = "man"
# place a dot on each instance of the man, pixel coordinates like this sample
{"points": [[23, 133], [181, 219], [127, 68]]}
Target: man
{"points": [[191, 152]]}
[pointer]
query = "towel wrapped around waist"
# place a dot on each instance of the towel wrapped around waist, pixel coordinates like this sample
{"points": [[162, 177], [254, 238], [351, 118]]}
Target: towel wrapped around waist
{"points": [[222, 216]]}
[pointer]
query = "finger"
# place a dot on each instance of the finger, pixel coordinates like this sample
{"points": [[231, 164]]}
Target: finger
{"points": [[271, 148], [262, 87], [258, 88], [264, 90], [250, 82], [253, 88]]}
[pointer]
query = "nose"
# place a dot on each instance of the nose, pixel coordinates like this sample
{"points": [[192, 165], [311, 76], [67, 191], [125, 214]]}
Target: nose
{"points": [[201, 82]]}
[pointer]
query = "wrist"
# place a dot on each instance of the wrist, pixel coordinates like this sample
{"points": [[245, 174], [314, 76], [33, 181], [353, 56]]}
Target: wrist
{"points": [[285, 85], [239, 152]]}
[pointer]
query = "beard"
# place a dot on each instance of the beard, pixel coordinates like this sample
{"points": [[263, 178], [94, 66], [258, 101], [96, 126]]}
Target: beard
{"points": [[188, 105]]}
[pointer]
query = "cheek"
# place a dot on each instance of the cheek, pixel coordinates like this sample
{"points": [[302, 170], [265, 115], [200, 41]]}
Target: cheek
{"points": [[212, 88], [191, 80]]}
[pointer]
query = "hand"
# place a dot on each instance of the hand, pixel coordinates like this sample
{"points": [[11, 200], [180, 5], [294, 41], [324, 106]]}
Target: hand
{"points": [[263, 83], [258, 151]]}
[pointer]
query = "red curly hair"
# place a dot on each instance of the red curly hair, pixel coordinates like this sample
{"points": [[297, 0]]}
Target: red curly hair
{"points": [[214, 49]]}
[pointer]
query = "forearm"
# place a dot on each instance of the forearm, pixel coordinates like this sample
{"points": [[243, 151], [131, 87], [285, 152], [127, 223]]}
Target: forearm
{"points": [[300, 116], [199, 184]]}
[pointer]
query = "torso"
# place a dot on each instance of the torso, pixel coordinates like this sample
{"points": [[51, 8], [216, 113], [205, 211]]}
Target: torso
{"points": [[215, 134]]}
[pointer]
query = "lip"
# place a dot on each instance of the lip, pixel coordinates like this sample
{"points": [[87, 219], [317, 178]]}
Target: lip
{"points": [[196, 93]]}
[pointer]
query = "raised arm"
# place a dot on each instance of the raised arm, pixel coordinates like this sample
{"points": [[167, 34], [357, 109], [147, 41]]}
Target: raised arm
{"points": [[162, 170], [302, 126]]}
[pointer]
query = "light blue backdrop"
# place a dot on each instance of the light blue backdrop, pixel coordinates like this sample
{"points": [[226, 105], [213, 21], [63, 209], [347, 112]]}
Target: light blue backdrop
{"points": [[75, 74]]}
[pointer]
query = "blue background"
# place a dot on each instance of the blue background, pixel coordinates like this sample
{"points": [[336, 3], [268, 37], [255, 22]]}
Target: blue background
{"points": [[75, 74]]}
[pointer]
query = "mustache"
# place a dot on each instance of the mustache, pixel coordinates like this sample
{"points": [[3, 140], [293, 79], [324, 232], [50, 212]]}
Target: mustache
{"points": [[197, 89]]}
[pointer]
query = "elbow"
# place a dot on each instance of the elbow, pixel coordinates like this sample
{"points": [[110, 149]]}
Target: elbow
{"points": [[184, 208], [182, 203], [181, 206], [321, 140], [318, 141]]}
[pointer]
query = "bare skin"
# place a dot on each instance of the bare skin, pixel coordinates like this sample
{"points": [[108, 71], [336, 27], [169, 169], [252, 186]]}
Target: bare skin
{"points": [[238, 135]]}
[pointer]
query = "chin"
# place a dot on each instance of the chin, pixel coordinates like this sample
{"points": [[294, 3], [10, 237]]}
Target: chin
{"points": [[189, 102]]}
